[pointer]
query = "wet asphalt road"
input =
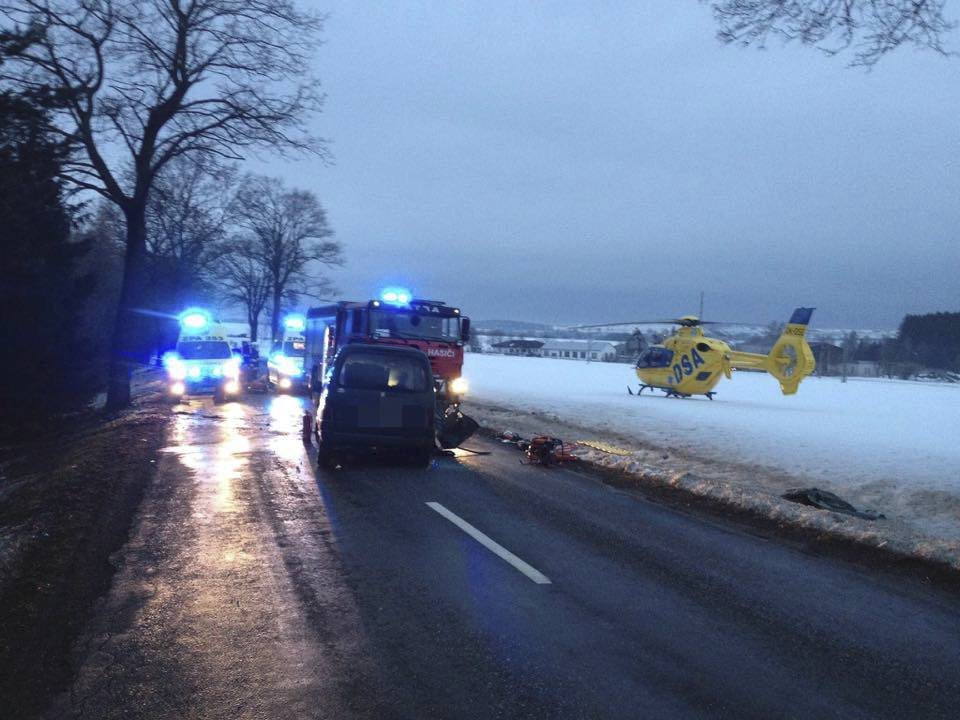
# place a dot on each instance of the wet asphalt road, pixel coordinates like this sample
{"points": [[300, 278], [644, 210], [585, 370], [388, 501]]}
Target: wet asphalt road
{"points": [[256, 586]]}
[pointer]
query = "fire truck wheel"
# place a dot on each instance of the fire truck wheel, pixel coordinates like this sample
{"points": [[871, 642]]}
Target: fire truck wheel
{"points": [[326, 456]]}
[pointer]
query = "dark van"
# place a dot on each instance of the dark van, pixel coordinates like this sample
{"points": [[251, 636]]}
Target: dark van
{"points": [[377, 397]]}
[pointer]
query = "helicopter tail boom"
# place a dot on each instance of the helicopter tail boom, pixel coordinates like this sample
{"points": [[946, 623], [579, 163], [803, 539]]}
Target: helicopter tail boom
{"points": [[790, 360]]}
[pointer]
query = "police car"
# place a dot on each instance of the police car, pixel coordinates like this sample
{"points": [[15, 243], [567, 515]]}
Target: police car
{"points": [[202, 362]]}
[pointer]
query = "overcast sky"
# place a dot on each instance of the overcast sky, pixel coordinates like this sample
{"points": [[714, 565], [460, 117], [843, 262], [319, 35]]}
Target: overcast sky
{"points": [[592, 162]]}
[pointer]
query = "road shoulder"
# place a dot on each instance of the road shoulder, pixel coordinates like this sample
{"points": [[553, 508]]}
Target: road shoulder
{"points": [[67, 502]]}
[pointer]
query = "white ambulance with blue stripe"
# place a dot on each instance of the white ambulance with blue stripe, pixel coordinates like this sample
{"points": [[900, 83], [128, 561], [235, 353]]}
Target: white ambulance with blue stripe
{"points": [[203, 362]]}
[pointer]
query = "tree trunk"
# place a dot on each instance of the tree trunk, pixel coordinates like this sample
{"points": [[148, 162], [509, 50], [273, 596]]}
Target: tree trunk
{"points": [[275, 316], [254, 321], [126, 345]]}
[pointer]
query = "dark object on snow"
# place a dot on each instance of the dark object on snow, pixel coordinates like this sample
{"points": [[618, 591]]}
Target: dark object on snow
{"points": [[815, 497], [456, 427]]}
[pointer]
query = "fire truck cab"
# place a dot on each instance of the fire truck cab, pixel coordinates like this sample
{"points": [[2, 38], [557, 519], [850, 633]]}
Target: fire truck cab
{"points": [[396, 318]]}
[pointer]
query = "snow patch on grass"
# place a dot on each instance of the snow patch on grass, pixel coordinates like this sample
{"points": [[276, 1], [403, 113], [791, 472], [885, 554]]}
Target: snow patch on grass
{"points": [[891, 446]]}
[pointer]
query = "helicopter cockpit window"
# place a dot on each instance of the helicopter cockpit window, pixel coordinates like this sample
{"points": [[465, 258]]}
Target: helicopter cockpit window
{"points": [[703, 347], [655, 357]]}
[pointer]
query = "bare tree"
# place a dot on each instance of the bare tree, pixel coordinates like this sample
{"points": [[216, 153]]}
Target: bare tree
{"points": [[288, 233], [871, 28], [147, 81], [246, 282], [186, 228]]}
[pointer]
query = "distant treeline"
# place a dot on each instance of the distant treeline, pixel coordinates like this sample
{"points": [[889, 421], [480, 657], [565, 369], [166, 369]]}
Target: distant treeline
{"points": [[931, 340], [923, 342]]}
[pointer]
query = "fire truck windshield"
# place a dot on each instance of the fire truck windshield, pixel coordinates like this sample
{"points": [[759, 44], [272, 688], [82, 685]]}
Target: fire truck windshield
{"points": [[410, 324]]}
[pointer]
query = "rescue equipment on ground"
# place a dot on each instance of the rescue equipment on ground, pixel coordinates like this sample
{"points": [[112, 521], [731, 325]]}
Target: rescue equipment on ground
{"points": [[541, 449]]}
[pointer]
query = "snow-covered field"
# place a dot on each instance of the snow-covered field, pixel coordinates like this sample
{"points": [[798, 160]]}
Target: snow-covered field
{"points": [[890, 445]]}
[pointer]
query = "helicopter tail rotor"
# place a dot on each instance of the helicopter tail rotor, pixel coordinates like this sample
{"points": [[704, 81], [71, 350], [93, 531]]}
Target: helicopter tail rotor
{"points": [[791, 359]]}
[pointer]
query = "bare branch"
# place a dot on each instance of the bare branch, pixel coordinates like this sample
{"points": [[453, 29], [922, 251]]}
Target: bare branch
{"points": [[165, 79], [287, 235], [870, 28]]}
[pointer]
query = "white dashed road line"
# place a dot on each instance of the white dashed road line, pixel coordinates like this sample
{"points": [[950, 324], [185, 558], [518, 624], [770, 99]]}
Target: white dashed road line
{"points": [[496, 548]]}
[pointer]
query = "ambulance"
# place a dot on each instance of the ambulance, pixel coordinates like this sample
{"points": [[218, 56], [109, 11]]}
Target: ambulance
{"points": [[202, 362], [285, 370]]}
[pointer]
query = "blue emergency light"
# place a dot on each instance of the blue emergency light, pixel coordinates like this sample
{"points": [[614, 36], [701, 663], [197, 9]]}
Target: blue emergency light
{"points": [[294, 322], [396, 296], [195, 319]]}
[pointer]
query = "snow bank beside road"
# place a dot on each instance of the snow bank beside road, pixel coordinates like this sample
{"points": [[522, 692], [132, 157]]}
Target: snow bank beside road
{"points": [[890, 445]]}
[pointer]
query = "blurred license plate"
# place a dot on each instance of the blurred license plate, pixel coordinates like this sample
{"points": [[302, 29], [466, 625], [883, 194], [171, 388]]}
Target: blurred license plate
{"points": [[388, 413]]}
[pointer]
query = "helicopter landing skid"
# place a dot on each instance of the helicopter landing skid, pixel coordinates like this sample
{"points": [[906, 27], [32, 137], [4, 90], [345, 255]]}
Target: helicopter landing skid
{"points": [[668, 392]]}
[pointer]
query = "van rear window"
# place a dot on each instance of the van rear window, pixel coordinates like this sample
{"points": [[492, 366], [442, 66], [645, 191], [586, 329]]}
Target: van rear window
{"points": [[383, 371]]}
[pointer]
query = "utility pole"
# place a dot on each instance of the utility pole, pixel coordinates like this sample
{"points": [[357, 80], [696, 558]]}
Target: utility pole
{"points": [[845, 356]]}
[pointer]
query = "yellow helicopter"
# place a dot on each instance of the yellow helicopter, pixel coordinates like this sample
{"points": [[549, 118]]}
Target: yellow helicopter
{"points": [[690, 363]]}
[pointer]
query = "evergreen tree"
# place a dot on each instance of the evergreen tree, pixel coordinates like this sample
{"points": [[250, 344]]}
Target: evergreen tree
{"points": [[43, 364], [933, 339]]}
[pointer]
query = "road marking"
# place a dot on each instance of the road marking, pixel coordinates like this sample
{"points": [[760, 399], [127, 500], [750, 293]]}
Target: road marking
{"points": [[496, 548]]}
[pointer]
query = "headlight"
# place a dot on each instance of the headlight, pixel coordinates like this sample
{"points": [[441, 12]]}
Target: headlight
{"points": [[177, 388], [176, 371], [459, 386], [230, 370], [194, 372], [290, 370]]}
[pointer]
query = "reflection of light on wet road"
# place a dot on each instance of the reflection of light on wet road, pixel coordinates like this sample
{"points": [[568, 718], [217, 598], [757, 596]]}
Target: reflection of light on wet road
{"points": [[235, 506], [215, 443], [286, 418], [227, 468], [231, 456], [216, 452]]}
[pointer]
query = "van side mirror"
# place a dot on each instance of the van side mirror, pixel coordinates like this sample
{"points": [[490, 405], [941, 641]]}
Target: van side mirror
{"points": [[465, 329]]}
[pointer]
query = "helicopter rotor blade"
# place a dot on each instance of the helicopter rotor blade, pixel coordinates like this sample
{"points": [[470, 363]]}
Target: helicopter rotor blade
{"points": [[675, 321], [721, 322], [615, 324]]}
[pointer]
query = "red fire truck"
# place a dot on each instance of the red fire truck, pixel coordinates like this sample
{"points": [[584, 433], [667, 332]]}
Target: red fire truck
{"points": [[397, 318]]}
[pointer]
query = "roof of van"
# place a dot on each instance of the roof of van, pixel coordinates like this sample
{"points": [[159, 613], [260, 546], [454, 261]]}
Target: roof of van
{"points": [[383, 347]]}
